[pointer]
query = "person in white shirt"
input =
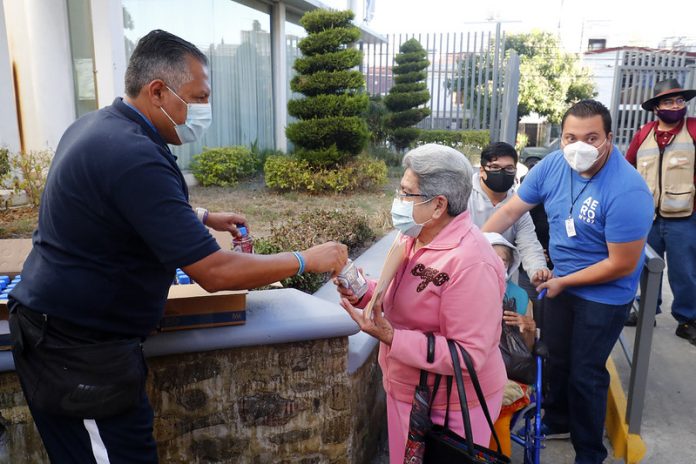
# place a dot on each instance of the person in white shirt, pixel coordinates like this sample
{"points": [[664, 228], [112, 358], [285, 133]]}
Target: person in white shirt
{"points": [[493, 185]]}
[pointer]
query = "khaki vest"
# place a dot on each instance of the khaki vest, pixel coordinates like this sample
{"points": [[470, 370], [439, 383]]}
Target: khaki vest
{"points": [[669, 176]]}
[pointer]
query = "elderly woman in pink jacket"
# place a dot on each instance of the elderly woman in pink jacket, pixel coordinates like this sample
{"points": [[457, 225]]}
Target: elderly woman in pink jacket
{"points": [[450, 283]]}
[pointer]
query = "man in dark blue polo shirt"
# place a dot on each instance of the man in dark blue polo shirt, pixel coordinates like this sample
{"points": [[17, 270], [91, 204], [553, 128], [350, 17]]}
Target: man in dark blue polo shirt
{"points": [[114, 225]]}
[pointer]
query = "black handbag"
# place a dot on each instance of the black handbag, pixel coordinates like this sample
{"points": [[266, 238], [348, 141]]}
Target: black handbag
{"points": [[519, 362], [83, 380], [442, 445]]}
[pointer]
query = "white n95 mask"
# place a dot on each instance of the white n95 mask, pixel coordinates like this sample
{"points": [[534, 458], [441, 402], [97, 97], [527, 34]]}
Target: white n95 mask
{"points": [[580, 155]]}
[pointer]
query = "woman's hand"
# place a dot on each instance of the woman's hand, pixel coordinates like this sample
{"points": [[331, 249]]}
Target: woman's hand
{"points": [[346, 292], [379, 327], [526, 324]]}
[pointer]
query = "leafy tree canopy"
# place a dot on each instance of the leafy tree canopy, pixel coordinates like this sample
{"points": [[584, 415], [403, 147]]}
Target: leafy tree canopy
{"points": [[550, 79]]}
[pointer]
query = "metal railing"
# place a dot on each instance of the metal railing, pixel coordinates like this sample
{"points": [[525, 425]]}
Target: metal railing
{"points": [[639, 357]]}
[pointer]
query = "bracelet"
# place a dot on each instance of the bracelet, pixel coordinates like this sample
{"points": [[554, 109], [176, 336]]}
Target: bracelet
{"points": [[300, 260], [202, 214]]}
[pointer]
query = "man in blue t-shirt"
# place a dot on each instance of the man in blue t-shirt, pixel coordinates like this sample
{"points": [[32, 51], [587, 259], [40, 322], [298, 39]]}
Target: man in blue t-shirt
{"points": [[114, 225], [599, 211]]}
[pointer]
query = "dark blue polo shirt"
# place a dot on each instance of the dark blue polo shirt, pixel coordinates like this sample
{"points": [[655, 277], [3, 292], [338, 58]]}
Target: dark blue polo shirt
{"points": [[114, 224]]}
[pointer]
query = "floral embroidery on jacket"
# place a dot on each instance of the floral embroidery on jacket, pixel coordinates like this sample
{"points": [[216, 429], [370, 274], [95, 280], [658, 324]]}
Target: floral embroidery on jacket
{"points": [[428, 274]]}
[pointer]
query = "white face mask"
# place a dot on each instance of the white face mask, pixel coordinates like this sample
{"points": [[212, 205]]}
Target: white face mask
{"points": [[402, 217], [580, 155], [199, 116]]}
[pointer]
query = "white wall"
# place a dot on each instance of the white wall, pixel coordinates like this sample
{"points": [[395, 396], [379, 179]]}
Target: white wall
{"points": [[39, 44], [9, 130], [109, 50], [602, 66]]}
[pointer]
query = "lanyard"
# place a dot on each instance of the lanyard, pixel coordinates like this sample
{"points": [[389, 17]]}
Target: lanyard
{"points": [[570, 213]]}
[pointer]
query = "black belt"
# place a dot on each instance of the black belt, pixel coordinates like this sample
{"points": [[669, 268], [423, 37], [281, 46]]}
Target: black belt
{"points": [[65, 328]]}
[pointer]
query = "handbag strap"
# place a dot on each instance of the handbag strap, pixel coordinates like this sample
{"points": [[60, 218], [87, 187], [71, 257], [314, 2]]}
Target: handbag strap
{"points": [[479, 393], [468, 436], [430, 358]]}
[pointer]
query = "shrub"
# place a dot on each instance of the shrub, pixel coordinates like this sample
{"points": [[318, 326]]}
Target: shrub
{"points": [[293, 173], [376, 115], [330, 129], [407, 94], [455, 139], [4, 164], [32, 169], [384, 153], [313, 228], [328, 105], [223, 166]]}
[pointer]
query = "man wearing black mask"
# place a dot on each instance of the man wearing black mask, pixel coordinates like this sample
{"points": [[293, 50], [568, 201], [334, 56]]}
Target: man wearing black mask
{"points": [[493, 185]]}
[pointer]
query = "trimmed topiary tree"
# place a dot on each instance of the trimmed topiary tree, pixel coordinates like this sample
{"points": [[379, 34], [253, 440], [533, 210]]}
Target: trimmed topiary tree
{"points": [[408, 94], [331, 129]]}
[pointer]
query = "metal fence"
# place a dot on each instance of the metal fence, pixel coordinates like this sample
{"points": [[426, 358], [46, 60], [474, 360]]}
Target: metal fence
{"points": [[467, 78], [636, 73]]}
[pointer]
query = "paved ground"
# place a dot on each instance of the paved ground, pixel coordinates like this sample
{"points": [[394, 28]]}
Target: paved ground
{"points": [[669, 417]]}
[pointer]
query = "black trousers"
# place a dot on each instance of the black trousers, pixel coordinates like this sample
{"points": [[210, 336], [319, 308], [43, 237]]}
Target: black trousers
{"points": [[125, 438]]}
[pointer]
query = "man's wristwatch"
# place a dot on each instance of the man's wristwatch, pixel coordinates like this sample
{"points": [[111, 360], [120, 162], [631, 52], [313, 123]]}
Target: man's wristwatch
{"points": [[202, 215]]}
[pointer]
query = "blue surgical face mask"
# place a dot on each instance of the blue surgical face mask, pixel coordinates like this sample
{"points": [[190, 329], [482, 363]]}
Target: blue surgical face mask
{"points": [[199, 116], [402, 217]]}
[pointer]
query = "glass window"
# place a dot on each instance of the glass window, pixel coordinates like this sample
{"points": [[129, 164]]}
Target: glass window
{"points": [[293, 34], [80, 24], [236, 40]]}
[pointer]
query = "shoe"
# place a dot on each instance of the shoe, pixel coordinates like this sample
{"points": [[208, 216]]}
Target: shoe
{"points": [[552, 433], [632, 320], [687, 330]]}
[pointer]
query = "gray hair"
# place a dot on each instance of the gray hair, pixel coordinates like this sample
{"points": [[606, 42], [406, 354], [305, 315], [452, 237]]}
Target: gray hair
{"points": [[442, 170], [161, 55]]}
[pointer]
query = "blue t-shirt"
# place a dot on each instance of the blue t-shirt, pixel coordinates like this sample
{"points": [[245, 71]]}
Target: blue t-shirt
{"points": [[114, 225], [614, 206], [517, 293]]}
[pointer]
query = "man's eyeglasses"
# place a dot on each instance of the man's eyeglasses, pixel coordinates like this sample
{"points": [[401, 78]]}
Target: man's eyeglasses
{"points": [[496, 168], [670, 102]]}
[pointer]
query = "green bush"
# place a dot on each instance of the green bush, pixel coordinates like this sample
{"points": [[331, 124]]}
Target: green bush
{"points": [[331, 129], [329, 40], [455, 139], [293, 173], [325, 82], [384, 153], [223, 166], [32, 168], [4, 163], [348, 134], [376, 114], [313, 228], [319, 20], [407, 95], [342, 59], [328, 105]]}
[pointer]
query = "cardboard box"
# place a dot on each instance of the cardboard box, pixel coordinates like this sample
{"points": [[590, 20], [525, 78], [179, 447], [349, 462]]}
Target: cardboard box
{"points": [[13, 253], [190, 306]]}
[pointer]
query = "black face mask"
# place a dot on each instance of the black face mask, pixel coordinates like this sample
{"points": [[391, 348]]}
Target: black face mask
{"points": [[499, 181]]}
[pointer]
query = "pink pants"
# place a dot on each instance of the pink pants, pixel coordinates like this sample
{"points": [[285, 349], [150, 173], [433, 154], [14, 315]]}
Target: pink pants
{"points": [[399, 413]]}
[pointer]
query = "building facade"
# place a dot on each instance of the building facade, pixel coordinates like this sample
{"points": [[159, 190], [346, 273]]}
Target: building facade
{"points": [[60, 59]]}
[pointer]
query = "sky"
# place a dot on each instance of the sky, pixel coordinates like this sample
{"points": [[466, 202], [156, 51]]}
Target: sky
{"points": [[626, 22]]}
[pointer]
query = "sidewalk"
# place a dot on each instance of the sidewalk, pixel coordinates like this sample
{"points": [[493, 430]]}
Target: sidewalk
{"points": [[669, 421]]}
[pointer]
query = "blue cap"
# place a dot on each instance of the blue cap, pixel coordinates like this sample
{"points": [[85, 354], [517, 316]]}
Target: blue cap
{"points": [[242, 230], [183, 279]]}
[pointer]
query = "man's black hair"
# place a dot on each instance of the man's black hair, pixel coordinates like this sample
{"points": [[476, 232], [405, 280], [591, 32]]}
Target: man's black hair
{"points": [[495, 150], [587, 109], [160, 55]]}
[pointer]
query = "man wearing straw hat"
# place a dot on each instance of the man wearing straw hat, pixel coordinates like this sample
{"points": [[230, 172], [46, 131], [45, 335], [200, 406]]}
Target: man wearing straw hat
{"points": [[663, 151]]}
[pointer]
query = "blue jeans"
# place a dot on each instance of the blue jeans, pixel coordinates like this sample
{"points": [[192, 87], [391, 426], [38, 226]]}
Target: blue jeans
{"points": [[677, 237], [580, 335]]}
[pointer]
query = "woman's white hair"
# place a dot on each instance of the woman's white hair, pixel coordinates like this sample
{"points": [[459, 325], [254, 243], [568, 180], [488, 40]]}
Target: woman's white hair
{"points": [[442, 170]]}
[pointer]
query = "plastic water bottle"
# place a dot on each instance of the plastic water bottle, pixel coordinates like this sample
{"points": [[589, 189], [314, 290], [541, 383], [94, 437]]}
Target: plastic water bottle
{"points": [[351, 278], [243, 244]]}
